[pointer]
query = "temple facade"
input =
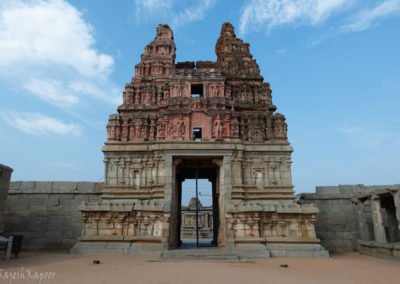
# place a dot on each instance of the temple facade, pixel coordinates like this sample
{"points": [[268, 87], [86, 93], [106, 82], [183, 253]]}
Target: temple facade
{"points": [[208, 120]]}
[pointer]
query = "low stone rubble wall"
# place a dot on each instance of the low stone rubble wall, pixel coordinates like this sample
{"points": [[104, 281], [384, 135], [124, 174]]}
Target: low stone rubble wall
{"points": [[47, 214]]}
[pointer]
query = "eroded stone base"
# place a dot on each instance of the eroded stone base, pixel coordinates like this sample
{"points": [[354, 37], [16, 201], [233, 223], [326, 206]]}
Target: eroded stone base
{"points": [[240, 251], [142, 249], [252, 251], [298, 250], [391, 251]]}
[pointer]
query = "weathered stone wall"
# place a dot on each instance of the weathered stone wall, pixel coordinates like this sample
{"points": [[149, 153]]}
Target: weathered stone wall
{"points": [[5, 176], [337, 224], [47, 214]]}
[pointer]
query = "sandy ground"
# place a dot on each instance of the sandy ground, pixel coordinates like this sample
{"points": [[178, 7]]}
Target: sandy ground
{"points": [[66, 268]]}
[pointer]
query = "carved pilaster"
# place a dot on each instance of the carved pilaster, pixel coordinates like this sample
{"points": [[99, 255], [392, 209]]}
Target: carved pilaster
{"points": [[237, 168], [121, 171], [272, 170], [106, 169], [143, 172]]}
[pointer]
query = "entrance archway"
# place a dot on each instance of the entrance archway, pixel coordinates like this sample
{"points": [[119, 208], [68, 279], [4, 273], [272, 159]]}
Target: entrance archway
{"points": [[195, 170]]}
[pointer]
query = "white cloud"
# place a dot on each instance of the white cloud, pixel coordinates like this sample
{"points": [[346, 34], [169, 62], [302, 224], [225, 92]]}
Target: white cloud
{"points": [[149, 8], [94, 90], [46, 48], [370, 16], [37, 124], [352, 130], [49, 32], [62, 165], [371, 136], [168, 10], [270, 14], [68, 93], [192, 13], [51, 91]]}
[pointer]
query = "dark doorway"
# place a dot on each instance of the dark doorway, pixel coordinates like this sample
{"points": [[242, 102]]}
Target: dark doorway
{"points": [[196, 204], [196, 134], [197, 90], [390, 222]]}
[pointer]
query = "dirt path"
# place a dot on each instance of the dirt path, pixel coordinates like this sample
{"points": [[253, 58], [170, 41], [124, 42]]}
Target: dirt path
{"points": [[65, 268]]}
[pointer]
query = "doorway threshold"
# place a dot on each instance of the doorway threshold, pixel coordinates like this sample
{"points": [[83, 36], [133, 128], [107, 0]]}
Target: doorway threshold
{"points": [[202, 253], [192, 243]]}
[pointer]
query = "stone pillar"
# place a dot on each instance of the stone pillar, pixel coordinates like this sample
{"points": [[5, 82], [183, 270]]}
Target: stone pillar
{"points": [[5, 176], [225, 183], [215, 214], [379, 230], [179, 210], [396, 198], [361, 221]]}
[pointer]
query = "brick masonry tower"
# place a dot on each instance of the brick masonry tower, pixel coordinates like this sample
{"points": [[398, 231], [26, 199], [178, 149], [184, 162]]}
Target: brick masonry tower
{"points": [[204, 119]]}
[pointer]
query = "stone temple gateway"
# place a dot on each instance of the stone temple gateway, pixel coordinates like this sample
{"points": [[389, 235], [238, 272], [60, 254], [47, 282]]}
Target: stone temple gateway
{"points": [[204, 119]]}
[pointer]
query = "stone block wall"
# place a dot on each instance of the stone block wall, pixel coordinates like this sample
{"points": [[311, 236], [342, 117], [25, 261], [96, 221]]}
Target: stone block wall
{"points": [[47, 214], [5, 176], [337, 224]]}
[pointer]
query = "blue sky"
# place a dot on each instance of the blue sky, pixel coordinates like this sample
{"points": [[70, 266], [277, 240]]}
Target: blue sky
{"points": [[333, 66]]}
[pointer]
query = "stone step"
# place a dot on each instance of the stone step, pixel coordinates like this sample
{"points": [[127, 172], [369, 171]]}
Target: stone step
{"points": [[199, 254]]}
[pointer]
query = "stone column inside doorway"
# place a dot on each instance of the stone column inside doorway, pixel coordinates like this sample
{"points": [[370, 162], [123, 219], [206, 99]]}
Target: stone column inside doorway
{"points": [[396, 197], [379, 230]]}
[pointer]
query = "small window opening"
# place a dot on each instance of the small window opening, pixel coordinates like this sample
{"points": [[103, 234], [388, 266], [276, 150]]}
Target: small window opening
{"points": [[197, 90], [196, 134]]}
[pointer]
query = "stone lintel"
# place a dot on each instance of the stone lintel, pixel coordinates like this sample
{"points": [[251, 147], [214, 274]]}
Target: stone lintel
{"points": [[376, 193]]}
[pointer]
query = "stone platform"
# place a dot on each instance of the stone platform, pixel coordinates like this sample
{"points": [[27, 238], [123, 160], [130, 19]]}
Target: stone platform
{"points": [[237, 253], [390, 251]]}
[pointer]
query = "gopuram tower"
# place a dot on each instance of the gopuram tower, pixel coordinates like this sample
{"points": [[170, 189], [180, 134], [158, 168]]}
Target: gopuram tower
{"points": [[208, 120]]}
